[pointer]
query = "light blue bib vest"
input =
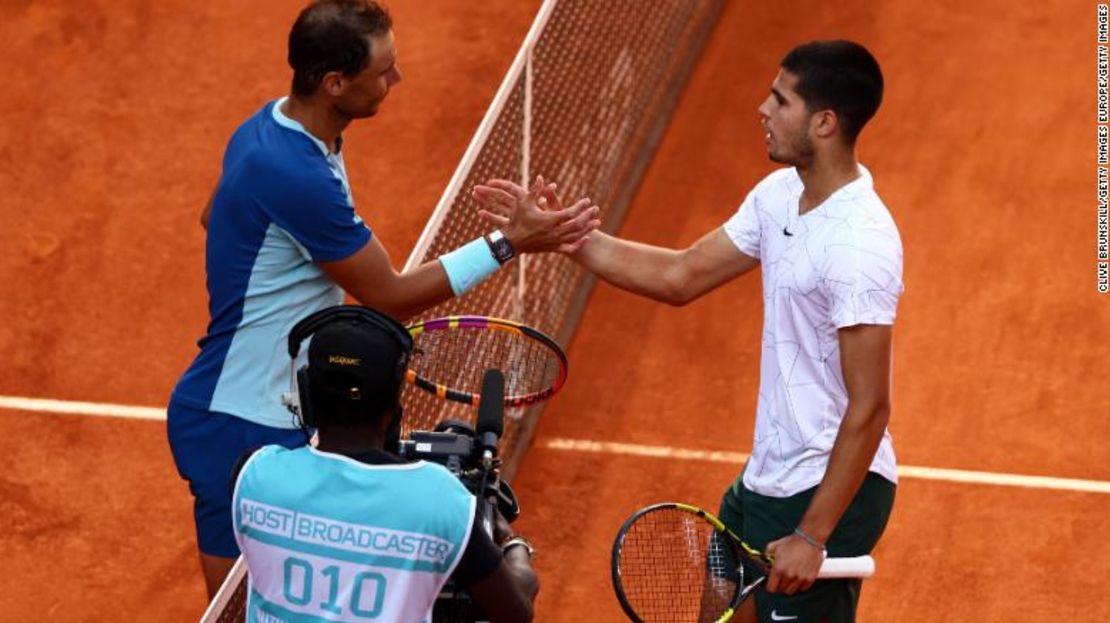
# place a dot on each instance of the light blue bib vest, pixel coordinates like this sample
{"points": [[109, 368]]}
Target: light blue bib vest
{"points": [[328, 538]]}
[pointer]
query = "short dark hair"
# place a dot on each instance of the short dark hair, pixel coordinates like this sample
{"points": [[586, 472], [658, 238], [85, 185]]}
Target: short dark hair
{"points": [[839, 75], [332, 35]]}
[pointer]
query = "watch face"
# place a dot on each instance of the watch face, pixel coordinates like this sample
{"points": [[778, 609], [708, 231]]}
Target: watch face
{"points": [[501, 247]]}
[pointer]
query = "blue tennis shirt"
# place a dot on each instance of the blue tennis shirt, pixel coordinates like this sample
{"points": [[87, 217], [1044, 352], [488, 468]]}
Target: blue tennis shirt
{"points": [[283, 203]]}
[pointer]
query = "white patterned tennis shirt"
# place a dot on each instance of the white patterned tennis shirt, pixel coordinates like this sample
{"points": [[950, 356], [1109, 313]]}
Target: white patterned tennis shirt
{"points": [[838, 265]]}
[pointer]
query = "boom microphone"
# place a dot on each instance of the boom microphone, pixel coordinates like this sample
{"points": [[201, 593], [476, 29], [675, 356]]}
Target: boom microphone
{"points": [[491, 411]]}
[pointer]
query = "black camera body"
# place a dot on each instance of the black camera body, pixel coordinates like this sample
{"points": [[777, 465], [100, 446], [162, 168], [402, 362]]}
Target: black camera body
{"points": [[455, 445], [472, 456], [452, 444]]}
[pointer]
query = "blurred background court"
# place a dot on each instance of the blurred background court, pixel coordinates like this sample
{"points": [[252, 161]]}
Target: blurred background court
{"points": [[115, 115]]}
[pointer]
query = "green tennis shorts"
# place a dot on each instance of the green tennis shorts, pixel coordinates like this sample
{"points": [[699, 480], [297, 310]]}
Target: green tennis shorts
{"points": [[760, 519]]}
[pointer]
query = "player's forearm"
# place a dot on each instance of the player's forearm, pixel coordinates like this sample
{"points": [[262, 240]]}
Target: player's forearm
{"points": [[858, 439], [421, 289], [408, 294], [368, 275], [640, 268]]}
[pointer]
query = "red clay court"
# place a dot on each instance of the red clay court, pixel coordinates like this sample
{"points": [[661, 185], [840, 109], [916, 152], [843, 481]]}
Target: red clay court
{"points": [[114, 117]]}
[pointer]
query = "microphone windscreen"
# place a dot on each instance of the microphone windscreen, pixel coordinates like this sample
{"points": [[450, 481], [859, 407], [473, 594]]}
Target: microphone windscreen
{"points": [[491, 405]]}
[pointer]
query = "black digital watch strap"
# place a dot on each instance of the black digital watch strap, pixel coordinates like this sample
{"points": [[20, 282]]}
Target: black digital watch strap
{"points": [[500, 246]]}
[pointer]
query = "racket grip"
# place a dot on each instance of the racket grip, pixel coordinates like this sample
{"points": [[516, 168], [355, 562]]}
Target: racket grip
{"points": [[856, 567]]}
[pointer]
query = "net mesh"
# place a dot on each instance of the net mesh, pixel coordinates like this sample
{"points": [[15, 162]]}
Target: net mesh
{"points": [[583, 105], [604, 75]]}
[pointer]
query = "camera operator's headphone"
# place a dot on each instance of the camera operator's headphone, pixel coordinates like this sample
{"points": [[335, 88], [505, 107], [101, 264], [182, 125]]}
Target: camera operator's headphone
{"points": [[299, 400]]}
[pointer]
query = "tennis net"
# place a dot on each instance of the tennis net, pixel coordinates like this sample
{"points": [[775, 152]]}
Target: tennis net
{"points": [[584, 103]]}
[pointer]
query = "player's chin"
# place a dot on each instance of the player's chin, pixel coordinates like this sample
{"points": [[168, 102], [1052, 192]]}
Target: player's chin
{"points": [[367, 111]]}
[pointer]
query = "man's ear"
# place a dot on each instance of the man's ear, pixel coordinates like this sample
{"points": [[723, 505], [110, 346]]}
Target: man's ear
{"points": [[333, 83], [824, 123]]}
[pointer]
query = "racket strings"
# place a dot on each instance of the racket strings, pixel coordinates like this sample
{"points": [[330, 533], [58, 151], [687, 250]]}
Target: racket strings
{"points": [[674, 567], [459, 358]]}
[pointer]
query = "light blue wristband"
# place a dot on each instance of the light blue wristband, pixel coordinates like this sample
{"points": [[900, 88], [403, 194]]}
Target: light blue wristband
{"points": [[469, 265]]}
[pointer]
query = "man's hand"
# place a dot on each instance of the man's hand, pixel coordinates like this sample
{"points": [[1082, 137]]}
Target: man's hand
{"points": [[533, 219], [796, 565]]}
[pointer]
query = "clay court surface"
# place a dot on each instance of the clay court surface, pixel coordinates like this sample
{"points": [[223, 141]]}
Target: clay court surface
{"points": [[112, 122]]}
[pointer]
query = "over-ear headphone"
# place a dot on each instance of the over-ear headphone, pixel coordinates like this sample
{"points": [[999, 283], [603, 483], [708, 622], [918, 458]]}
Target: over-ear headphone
{"points": [[300, 400]]}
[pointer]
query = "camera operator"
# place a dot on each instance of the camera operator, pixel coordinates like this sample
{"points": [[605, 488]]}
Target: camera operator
{"points": [[349, 531]]}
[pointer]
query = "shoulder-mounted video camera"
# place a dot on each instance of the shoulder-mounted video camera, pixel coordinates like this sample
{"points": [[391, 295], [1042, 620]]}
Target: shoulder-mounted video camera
{"points": [[471, 454], [460, 448]]}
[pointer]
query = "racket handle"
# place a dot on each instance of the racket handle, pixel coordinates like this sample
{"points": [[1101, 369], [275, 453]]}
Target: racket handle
{"points": [[857, 567]]}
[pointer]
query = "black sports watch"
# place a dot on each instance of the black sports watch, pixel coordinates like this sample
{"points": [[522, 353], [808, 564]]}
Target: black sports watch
{"points": [[500, 246]]}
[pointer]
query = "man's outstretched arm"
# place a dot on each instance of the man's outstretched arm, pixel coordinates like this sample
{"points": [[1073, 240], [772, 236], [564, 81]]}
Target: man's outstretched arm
{"points": [[369, 276], [672, 276]]}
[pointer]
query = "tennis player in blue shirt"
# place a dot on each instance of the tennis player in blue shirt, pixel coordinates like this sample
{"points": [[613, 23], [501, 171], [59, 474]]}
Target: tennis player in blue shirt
{"points": [[284, 240]]}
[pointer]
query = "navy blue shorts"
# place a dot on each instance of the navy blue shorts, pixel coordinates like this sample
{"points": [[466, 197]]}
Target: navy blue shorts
{"points": [[206, 445]]}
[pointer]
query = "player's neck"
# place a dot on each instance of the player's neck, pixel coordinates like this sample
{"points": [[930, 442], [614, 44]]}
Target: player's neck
{"points": [[348, 440], [825, 175], [318, 117]]}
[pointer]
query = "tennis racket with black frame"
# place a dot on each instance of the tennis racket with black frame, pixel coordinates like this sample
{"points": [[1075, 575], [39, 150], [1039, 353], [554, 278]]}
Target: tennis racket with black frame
{"points": [[677, 562], [451, 354]]}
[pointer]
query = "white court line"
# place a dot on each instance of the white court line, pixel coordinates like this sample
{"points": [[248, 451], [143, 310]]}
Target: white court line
{"points": [[81, 408], [907, 471], [608, 447]]}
